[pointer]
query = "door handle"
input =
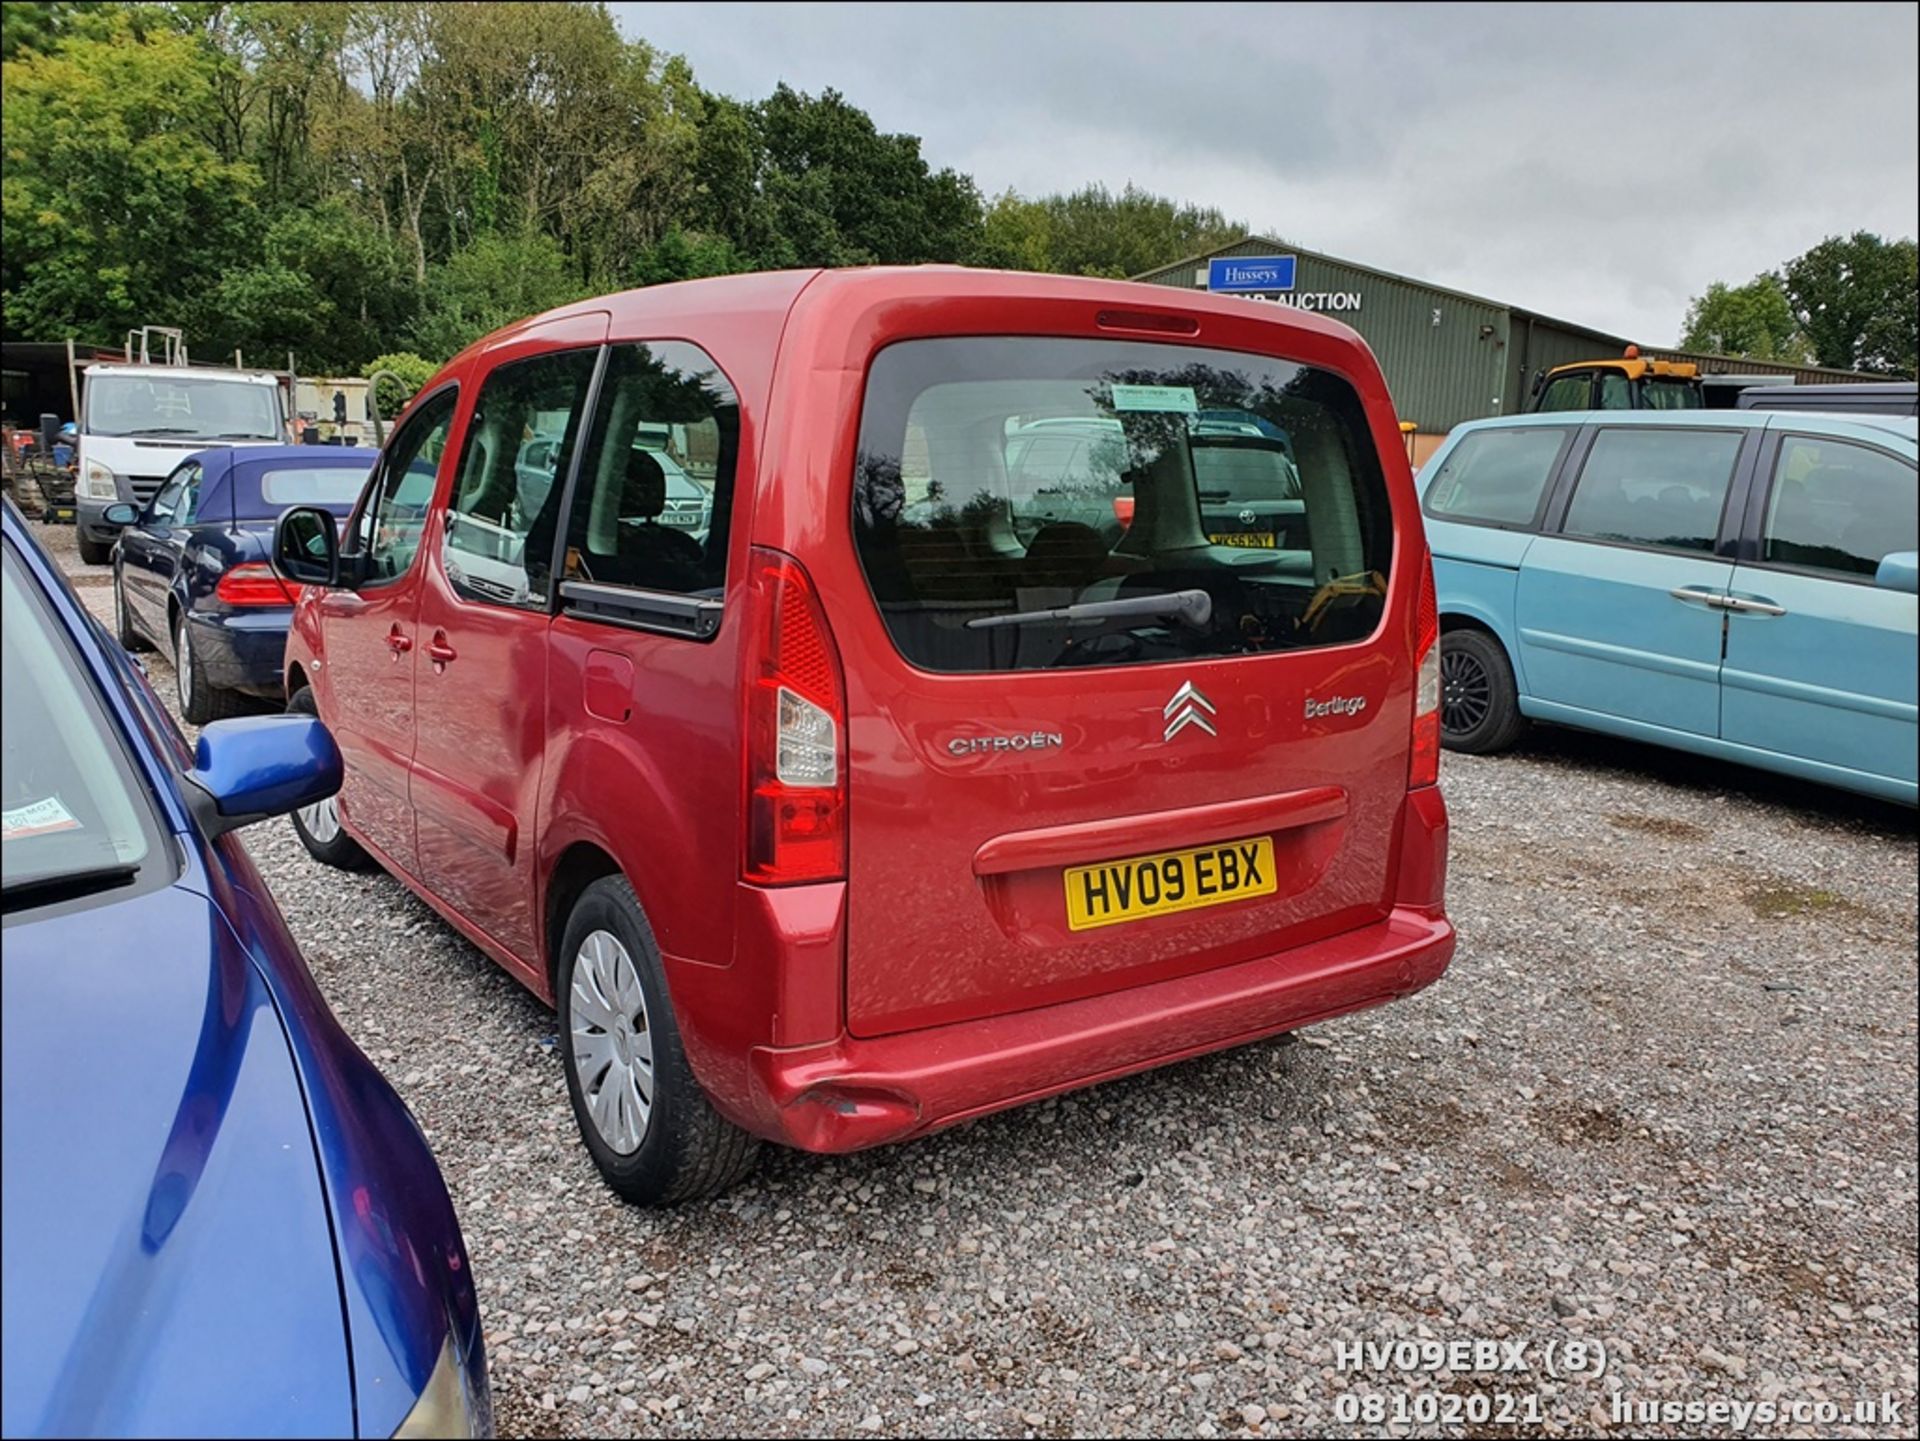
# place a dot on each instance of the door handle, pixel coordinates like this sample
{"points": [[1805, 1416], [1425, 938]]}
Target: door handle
{"points": [[398, 643], [1699, 595], [439, 652], [1754, 605]]}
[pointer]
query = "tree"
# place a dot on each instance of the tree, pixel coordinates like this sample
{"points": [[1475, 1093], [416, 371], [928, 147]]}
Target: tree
{"points": [[117, 210], [1857, 301], [39, 24], [491, 283], [1095, 232], [328, 284], [406, 373], [839, 192], [1752, 320]]}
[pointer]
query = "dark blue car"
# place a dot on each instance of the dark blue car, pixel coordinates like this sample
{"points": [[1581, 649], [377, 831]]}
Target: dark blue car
{"points": [[220, 1220], [190, 571]]}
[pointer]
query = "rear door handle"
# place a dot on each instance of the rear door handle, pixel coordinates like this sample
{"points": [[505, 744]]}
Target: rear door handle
{"points": [[398, 642], [1699, 595], [438, 651]]}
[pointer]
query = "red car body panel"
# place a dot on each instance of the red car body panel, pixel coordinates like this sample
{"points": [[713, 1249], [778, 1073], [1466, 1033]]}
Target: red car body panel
{"points": [[938, 979]]}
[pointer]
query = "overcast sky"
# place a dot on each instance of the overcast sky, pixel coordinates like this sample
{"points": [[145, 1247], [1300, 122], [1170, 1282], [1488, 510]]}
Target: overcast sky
{"points": [[1601, 164]]}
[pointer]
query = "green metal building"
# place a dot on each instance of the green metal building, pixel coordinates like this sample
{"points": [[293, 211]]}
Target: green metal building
{"points": [[1448, 356]]}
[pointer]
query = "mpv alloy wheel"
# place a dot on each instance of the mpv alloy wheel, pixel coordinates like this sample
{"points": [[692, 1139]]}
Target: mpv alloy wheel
{"points": [[1479, 702], [183, 664], [612, 1042], [1466, 691]]}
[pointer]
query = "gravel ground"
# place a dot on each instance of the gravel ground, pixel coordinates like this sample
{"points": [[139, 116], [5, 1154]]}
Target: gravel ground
{"points": [[1664, 1100]]}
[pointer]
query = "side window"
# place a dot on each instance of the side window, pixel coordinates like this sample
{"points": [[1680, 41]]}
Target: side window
{"points": [[642, 516], [1569, 392], [166, 500], [501, 518], [1658, 487], [1616, 391], [188, 510], [387, 530], [1838, 507], [1496, 476]]}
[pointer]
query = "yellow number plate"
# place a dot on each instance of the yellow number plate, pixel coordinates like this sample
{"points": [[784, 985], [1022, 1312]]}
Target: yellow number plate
{"points": [[1132, 890], [1246, 539]]}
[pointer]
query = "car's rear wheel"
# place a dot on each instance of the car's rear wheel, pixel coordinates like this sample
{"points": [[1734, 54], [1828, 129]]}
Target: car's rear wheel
{"points": [[95, 552], [1479, 702], [318, 825], [199, 702], [123, 628], [646, 1122]]}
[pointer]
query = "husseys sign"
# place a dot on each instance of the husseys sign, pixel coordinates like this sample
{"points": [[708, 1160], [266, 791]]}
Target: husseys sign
{"points": [[1271, 277]]}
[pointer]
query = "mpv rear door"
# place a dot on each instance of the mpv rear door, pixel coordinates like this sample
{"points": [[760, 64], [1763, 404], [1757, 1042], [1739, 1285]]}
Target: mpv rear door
{"points": [[1086, 762]]}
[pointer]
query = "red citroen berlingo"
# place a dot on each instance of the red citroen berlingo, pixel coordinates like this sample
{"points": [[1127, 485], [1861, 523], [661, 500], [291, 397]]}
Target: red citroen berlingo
{"points": [[861, 700]]}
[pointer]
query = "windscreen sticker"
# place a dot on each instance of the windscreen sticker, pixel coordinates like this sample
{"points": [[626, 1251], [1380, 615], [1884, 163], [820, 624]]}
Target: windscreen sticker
{"points": [[37, 818], [1178, 398]]}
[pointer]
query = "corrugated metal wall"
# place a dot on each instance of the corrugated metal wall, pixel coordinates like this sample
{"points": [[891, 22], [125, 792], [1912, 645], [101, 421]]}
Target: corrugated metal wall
{"points": [[1450, 357], [1440, 351], [1540, 343]]}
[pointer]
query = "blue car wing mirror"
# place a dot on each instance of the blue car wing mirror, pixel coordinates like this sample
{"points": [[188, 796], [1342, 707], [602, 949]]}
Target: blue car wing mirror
{"points": [[248, 769], [1899, 571]]}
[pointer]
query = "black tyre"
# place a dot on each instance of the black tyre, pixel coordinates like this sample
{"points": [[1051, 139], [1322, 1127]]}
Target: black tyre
{"points": [[318, 825], [199, 702], [647, 1124], [95, 552], [1479, 702], [123, 629]]}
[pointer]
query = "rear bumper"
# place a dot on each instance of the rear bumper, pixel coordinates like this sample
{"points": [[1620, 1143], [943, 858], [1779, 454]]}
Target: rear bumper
{"points": [[852, 1092], [243, 650]]}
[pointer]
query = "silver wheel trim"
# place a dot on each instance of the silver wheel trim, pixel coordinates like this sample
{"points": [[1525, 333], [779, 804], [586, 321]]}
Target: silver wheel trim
{"points": [[183, 662], [322, 819], [612, 1042]]}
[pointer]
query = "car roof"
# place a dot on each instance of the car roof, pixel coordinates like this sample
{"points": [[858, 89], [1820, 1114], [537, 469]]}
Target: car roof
{"points": [[180, 372], [772, 295], [217, 460], [1835, 424]]}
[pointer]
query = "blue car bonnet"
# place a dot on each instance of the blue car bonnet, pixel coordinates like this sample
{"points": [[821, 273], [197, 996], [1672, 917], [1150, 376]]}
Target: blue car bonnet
{"points": [[168, 1264]]}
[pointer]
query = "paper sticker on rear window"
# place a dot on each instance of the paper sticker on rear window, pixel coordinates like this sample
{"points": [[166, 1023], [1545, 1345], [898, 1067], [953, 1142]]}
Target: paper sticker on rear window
{"points": [[1155, 397], [38, 818]]}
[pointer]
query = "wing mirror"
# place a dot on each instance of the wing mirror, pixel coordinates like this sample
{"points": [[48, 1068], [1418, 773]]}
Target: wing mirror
{"points": [[120, 513], [259, 766], [306, 546], [1899, 571]]}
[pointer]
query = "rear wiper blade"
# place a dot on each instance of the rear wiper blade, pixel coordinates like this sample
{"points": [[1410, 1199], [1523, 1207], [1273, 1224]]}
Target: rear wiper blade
{"points": [[69, 883], [1192, 607]]}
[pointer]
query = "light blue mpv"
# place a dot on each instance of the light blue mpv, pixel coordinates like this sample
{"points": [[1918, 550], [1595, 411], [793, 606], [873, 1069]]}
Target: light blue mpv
{"points": [[1741, 584]]}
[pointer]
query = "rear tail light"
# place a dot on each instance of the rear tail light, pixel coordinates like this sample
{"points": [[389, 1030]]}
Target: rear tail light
{"points": [[1424, 769], [1123, 509], [255, 584], [796, 733]]}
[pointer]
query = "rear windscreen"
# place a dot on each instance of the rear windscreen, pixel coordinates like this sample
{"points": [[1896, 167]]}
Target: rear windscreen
{"points": [[336, 487], [1025, 503]]}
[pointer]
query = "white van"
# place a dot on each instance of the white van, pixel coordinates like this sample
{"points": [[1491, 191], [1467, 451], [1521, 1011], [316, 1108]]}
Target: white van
{"points": [[137, 422]]}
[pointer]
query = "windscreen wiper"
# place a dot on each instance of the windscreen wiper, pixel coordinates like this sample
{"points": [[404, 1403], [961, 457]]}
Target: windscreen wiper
{"points": [[64, 885], [1191, 607]]}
